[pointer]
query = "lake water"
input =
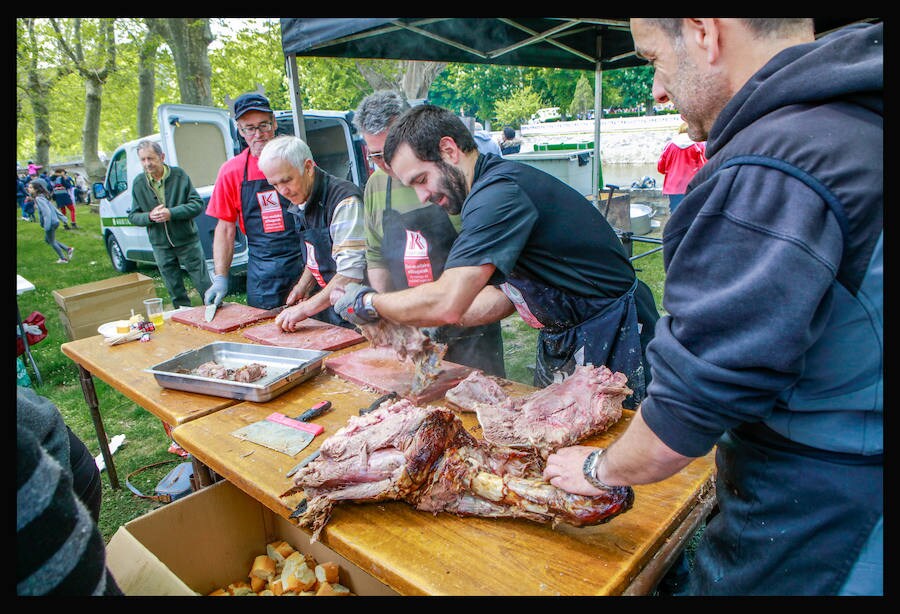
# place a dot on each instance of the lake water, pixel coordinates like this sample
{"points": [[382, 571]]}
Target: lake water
{"points": [[623, 175]]}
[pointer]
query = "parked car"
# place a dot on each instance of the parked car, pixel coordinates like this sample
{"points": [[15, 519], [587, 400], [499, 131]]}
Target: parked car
{"points": [[199, 140]]}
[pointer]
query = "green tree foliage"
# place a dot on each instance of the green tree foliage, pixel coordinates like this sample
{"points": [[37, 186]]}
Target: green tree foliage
{"points": [[635, 85], [582, 99], [518, 107]]}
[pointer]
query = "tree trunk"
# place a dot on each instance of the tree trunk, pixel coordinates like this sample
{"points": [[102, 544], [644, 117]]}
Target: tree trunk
{"points": [[147, 84], [38, 89], [418, 77], [93, 103], [189, 40]]}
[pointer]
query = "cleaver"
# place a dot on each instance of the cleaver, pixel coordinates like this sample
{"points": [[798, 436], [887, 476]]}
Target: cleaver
{"points": [[283, 434]]}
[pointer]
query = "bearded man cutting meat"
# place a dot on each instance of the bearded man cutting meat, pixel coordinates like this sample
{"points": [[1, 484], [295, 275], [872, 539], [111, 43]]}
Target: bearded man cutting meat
{"points": [[528, 243]]}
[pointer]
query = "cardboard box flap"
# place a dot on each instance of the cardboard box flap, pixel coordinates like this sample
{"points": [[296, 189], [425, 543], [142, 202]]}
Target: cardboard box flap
{"points": [[138, 571]]}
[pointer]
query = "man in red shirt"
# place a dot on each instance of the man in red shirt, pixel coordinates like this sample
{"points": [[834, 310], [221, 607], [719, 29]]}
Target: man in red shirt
{"points": [[242, 195], [679, 162]]}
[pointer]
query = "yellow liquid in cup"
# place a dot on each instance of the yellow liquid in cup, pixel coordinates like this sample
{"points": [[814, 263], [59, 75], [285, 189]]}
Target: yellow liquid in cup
{"points": [[157, 319]]}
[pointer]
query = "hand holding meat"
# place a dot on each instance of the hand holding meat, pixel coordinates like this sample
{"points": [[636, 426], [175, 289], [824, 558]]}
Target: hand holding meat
{"points": [[351, 305], [565, 470]]}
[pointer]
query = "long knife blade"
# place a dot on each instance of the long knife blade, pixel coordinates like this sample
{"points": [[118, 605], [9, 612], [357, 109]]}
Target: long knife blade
{"points": [[271, 313], [210, 312]]}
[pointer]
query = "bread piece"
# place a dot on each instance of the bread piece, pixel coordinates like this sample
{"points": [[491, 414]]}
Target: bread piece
{"points": [[240, 588], [266, 593], [220, 592], [327, 572], [275, 585], [257, 584], [332, 590], [278, 551], [297, 575], [263, 567]]}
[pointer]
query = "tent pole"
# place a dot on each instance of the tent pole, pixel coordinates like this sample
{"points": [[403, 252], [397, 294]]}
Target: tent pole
{"points": [[297, 103], [597, 178]]}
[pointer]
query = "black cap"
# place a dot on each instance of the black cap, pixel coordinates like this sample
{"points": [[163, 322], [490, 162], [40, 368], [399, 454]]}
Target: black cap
{"points": [[251, 102]]}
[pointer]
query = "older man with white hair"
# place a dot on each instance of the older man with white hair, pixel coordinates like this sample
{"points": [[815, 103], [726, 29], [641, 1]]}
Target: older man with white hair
{"points": [[329, 222]]}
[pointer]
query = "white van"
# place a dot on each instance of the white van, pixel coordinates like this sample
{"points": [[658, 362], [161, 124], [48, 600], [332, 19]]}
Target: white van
{"points": [[199, 140]]}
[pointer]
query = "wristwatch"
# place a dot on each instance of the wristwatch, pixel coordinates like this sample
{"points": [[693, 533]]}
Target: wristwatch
{"points": [[590, 467], [368, 307]]}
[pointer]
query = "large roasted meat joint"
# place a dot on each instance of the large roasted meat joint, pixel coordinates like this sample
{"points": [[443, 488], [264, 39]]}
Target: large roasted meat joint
{"points": [[425, 457]]}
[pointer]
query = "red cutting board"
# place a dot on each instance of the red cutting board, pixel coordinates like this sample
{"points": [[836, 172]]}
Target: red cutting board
{"points": [[379, 368], [310, 335], [229, 317]]}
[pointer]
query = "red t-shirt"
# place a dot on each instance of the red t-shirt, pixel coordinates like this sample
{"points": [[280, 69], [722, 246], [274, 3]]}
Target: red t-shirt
{"points": [[679, 165], [225, 201]]}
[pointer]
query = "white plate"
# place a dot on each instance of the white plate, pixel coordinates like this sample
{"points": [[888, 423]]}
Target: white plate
{"points": [[108, 330]]}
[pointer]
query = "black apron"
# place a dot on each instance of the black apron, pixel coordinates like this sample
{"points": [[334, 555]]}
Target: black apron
{"points": [[579, 330], [274, 265], [415, 248], [314, 230], [792, 519]]}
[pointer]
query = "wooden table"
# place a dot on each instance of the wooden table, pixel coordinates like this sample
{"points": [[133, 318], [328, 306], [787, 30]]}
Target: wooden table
{"points": [[417, 553], [122, 367]]}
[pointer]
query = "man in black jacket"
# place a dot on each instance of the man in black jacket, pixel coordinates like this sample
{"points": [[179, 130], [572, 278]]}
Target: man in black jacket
{"points": [[165, 202]]}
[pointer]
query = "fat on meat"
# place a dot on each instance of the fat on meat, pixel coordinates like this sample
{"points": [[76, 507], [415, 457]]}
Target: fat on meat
{"points": [[587, 402], [425, 457]]}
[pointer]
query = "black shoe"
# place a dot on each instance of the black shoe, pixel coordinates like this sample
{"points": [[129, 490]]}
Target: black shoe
{"points": [[74, 225]]}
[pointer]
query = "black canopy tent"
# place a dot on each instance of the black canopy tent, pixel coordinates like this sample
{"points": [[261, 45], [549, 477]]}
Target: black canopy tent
{"points": [[586, 43]]}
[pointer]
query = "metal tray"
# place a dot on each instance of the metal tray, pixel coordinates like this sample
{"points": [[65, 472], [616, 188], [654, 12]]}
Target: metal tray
{"points": [[285, 368]]}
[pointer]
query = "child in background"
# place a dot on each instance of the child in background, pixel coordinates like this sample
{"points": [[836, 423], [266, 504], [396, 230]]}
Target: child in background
{"points": [[679, 162], [49, 219]]}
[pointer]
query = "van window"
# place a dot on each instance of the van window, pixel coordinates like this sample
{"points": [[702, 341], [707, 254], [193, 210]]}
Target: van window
{"points": [[201, 151], [117, 177]]}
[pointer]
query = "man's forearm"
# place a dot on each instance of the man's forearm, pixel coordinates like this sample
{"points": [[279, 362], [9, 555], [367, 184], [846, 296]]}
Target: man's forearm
{"points": [[640, 457], [223, 247], [491, 305], [436, 303], [380, 279]]}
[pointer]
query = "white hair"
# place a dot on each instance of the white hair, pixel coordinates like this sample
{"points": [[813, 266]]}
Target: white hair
{"points": [[291, 149]]}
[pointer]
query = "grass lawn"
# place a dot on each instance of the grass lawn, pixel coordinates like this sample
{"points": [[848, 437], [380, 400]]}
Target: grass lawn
{"points": [[146, 441]]}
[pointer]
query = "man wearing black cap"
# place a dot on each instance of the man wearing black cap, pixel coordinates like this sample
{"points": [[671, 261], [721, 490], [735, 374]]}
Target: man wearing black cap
{"points": [[242, 195]]}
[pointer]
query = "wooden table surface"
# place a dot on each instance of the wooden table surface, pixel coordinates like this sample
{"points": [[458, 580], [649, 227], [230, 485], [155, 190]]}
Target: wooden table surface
{"points": [[417, 553], [122, 367]]}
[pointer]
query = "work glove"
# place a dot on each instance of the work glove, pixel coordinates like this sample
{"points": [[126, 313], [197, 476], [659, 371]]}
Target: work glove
{"points": [[352, 306], [217, 290]]}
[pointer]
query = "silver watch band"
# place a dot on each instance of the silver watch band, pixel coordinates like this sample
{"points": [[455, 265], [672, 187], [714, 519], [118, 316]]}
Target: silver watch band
{"points": [[590, 467]]}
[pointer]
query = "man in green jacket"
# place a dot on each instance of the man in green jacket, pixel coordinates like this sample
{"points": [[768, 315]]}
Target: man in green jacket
{"points": [[165, 201]]}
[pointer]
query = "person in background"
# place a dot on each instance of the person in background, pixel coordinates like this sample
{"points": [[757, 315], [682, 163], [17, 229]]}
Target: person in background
{"points": [[33, 168], [165, 202], [59, 548], [243, 196], [330, 229], [61, 185], [773, 347], [49, 217], [679, 162], [528, 243], [509, 143], [21, 195], [407, 242], [484, 141]]}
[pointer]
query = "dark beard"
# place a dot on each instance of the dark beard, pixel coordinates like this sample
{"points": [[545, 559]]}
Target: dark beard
{"points": [[454, 184]]}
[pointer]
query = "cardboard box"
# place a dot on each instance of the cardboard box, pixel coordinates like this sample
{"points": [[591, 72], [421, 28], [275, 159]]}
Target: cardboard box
{"points": [[82, 309], [208, 540]]}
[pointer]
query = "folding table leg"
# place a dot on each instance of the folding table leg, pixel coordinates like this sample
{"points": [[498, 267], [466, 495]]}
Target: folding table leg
{"points": [[90, 396]]}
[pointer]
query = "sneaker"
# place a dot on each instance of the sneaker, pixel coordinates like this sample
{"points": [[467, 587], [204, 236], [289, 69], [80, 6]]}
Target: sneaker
{"points": [[74, 225], [70, 252], [61, 261], [25, 219]]}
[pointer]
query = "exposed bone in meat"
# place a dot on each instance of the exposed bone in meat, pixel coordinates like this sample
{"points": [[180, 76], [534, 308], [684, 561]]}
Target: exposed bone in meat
{"points": [[587, 402], [476, 388], [424, 456]]}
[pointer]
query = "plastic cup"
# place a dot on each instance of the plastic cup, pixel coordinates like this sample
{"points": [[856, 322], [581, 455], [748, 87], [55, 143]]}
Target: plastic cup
{"points": [[154, 308]]}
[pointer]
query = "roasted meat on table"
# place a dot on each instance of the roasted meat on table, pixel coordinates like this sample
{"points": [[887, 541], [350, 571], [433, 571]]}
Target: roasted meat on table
{"points": [[587, 402], [425, 457]]}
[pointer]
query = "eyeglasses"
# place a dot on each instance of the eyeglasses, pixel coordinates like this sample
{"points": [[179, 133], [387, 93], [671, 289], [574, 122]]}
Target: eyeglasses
{"points": [[375, 155], [260, 127]]}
